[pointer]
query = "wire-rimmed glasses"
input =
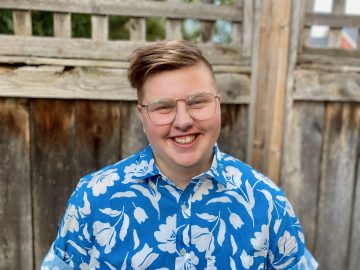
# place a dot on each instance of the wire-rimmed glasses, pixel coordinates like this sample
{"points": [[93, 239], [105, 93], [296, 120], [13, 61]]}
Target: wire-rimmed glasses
{"points": [[200, 106]]}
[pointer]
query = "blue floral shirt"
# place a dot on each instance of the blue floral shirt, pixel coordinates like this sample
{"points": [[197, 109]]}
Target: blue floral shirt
{"points": [[130, 216]]}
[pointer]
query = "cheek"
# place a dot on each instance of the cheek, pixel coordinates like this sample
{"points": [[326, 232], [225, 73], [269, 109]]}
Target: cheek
{"points": [[154, 133]]}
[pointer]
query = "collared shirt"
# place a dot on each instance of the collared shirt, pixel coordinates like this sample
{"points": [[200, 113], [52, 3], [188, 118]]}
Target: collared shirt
{"points": [[130, 216]]}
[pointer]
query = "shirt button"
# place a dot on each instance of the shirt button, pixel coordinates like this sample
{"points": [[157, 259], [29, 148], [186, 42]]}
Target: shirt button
{"points": [[182, 251]]}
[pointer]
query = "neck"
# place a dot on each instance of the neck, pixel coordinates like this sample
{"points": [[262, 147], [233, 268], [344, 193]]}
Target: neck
{"points": [[182, 176]]}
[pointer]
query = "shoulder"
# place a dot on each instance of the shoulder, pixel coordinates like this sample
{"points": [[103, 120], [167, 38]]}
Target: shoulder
{"points": [[237, 173], [116, 177]]}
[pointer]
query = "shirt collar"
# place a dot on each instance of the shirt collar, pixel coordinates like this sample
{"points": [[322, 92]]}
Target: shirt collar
{"points": [[146, 161], [217, 167]]}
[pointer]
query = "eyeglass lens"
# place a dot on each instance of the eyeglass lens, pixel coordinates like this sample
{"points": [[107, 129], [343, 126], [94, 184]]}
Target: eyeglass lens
{"points": [[200, 107]]}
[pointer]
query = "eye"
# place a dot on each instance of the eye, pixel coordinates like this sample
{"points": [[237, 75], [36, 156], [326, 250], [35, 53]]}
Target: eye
{"points": [[161, 107], [199, 101]]}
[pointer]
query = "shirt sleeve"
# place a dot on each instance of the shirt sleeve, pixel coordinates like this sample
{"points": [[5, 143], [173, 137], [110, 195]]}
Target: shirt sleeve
{"points": [[52, 262], [70, 250], [287, 248]]}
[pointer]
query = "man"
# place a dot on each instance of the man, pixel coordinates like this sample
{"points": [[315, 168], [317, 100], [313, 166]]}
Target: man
{"points": [[180, 203]]}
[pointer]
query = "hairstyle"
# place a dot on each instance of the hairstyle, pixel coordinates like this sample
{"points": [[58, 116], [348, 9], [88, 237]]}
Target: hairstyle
{"points": [[160, 56]]}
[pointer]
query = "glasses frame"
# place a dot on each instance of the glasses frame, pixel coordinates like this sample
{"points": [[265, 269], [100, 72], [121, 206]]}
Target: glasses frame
{"points": [[146, 106]]}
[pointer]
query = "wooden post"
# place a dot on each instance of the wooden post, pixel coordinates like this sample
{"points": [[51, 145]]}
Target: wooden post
{"points": [[270, 86], [62, 25], [335, 32], [22, 23], [173, 26], [305, 32], [99, 27], [16, 238], [247, 27], [137, 29]]}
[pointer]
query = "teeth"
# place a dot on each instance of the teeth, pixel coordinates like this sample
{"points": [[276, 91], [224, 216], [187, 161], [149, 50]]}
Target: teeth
{"points": [[184, 140]]}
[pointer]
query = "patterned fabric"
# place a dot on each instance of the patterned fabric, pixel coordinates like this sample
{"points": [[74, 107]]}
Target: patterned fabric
{"points": [[130, 216]]}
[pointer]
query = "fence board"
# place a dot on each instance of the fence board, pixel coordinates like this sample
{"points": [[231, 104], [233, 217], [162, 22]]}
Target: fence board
{"points": [[62, 25], [173, 29], [355, 233], [53, 168], [99, 27], [97, 83], [131, 8], [132, 134], [59, 82], [325, 86], [332, 20], [22, 23], [330, 57], [97, 135], [337, 181], [271, 87], [98, 50], [338, 7], [233, 135], [305, 30], [15, 194], [302, 172], [137, 29]]}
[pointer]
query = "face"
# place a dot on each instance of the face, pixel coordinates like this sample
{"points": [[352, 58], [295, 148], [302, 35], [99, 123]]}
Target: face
{"points": [[185, 145]]}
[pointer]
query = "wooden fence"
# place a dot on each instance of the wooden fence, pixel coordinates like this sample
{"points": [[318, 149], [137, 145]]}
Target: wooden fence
{"points": [[288, 109]]}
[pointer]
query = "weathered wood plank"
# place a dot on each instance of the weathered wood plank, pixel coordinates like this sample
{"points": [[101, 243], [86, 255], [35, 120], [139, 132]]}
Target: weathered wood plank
{"points": [[62, 25], [334, 36], [131, 8], [355, 228], [173, 29], [132, 135], [22, 23], [331, 57], [301, 175], [325, 86], [207, 27], [233, 88], [305, 30], [99, 27], [97, 135], [53, 168], [246, 39], [15, 189], [271, 87], [243, 68], [97, 83], [58, 82], [329, 68], [98, 50], [338, 167], [137, 29], [234, 130], [332, 20]]}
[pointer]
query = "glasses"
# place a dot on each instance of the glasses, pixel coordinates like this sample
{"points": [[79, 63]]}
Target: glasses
{"points": [[162, 111]]}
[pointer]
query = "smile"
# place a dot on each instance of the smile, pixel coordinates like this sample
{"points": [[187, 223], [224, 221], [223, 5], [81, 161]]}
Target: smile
{"points": [[184, 139]]}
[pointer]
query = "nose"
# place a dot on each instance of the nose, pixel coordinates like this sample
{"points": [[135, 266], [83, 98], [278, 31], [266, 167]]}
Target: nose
{"points": [[183, 120]]}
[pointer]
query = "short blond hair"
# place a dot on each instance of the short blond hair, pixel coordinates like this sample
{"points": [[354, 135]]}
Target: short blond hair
{"points": [[160, 56]]}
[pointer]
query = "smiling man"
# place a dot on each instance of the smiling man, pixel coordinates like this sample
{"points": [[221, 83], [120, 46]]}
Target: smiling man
{"points": [[180, 203]]}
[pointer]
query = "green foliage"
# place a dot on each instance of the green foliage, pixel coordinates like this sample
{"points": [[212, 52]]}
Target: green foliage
{"points": [[80, 25], [155, 28], [42, 23], [119, 27], [191, 30], [6, 22]]}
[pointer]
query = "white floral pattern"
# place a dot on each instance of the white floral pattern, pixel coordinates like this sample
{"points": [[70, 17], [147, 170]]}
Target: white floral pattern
{"points": [[129, 216]]}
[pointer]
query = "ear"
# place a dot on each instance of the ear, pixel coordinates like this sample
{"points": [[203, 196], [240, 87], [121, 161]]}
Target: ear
{"points": [[140, 115]]}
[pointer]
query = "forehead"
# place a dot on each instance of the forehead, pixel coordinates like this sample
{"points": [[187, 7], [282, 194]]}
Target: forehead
{"points": [[179, 83]]}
